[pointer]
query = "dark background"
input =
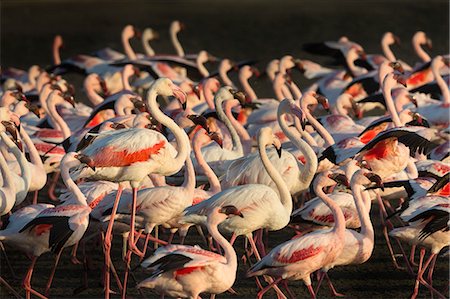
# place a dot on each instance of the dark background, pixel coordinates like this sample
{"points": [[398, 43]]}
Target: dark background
{"points": [[239, 30]]}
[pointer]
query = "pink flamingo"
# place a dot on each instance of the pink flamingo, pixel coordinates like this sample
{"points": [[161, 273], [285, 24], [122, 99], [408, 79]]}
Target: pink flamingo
{"points": [[187, 271], [132, 154], [41, 228], [298, 258]]}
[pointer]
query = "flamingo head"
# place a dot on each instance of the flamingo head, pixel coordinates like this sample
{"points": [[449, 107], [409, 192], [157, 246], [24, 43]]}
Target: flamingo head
{"points": [[34, 109], [103, 86], [13, 129], [298, 112], [322, 101], [216, 137], [339, 178], [401, 80], [238, 95], [69, 98], [397, 66], [356, 107], [230, 210], [166, 87], [199, 120], [374, 178], [86, 160]]}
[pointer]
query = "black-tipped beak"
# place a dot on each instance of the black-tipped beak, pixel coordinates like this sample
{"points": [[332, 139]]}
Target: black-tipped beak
{"points": [[214, 136], [12, 129], [86, 160], [118, 126], [231, 210], [376, 179], [279, 150], [184, 105], [340, 178]]}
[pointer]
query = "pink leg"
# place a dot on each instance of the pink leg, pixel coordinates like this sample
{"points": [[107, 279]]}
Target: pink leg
{"points": [[51, 188], [73, 256], [27, 281], [416, 285], [147, 238], [131, 243], [52, 274], [35, 197], [127, 271], [412, 254], [258, 257], [319, 282], [311, 291], [260, 243], [7, 261], [267, 288], [425, 283], [108, 240], [332, 289], [10, 288]]}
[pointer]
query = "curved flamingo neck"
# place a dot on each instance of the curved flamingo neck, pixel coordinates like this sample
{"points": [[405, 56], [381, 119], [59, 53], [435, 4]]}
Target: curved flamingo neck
{"points": [[35, 158], [386, 42], [339, 222], [305, 101], [176, 43], [23, 163], [179, 134], [230, 254], [189, 175], [296, 93], [92, 95], [66, 165], [8, 181], [243, 79], [387, 88], [57, 43], [212, 178], [285, 195], [363, 213], [147, 36], [237, 145], [417, 44], [43, 96], [411, 169], [208, 90], [280, 89], [54, 99], [308, 170], [223, 73], [126, 36], [201, 59], [126, 74], [123, 105], [342, 104], [246, 140], [441, 83], [7, 99]]}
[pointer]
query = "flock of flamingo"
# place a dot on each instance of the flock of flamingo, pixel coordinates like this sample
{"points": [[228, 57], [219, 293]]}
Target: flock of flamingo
{"points": [[166, 143]]}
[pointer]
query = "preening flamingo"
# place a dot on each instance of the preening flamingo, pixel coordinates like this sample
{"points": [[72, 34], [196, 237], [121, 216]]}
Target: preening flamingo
{"points": [[186, 271]]}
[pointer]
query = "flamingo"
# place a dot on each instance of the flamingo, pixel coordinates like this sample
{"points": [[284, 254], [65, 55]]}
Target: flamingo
{"points": [[148, 35], [298, 258], [419, 39], [260, 204], [187, 271], [298, 176], [41, 228], [8, 189], [132, 154], [428, 228]]}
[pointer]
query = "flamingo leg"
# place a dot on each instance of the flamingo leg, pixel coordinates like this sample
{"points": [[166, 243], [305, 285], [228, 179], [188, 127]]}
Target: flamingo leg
{"points": [[147, 238], [108, 240], [267, 288], [127, 271], [10, 288], [425, 283], [412, 254], [319, 282], [200, 232], [290, 293], [416, 285], [311, 291], [331, 286], [73, 256], [131, 242], [8, 263], [260, 243], [51, 188], [267, 278], [35, 197], [27, 281], [52, 274]]}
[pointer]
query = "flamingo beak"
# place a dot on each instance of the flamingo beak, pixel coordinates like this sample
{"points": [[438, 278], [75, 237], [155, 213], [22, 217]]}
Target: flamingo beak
{"points": [[397, 40], [199, 120], [376, 179], [69, 98], [86, 160], [231, 210], [11, 128], [180, 95], [255, 72], [214, 136], [238, 95], [300, 66], [323, 101], [297, 111], [339, 178], [429, 44], [278, 147], [413, 100], [34, 109], [118, 126]]}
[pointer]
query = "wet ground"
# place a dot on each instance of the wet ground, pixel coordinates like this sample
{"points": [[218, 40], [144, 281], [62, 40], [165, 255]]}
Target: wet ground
{"points": [[240, 30]]}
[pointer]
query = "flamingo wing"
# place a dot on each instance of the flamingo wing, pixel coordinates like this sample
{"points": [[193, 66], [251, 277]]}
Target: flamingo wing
{"points": [[58, 226], [439, 219]]}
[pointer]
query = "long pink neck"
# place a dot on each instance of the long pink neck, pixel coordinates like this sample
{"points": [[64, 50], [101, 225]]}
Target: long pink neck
{"points": [[441, 83], [363, 213], [92, 95], [70, 162], [246, 140], [127, 47], [212, 178], [53, 100], [230, 253], [417, 44], [305, 101], [339, 222], [243, 79], [387, 88], [35, 158], [385, 46], [189, 175]]}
